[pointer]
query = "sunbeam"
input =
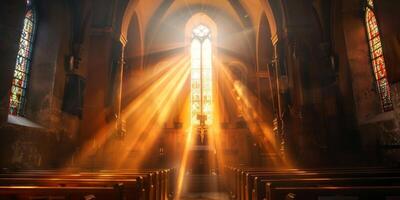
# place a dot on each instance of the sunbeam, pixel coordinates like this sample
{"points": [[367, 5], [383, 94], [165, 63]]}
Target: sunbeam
{"points": [[150, 110], [255, 120]]}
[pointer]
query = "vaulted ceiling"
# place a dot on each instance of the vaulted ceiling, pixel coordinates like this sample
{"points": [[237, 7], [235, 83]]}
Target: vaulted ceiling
{"points": [[159, 24], [245, 12]]}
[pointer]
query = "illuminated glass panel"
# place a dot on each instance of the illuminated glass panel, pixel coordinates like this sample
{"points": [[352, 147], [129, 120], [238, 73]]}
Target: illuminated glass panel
{"points": [[201, 76], [377, 59], [23, 62]]}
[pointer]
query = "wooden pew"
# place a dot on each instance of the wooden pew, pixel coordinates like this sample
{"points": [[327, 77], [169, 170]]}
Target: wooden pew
{"points": [[51, 192], [249, 183], [245, 185], [316, 192], [254, 181], [271, 185], [158, 181], [246, 176], [129, 187], [237, 179], [136, 185], [164, 181], [150, 184]]}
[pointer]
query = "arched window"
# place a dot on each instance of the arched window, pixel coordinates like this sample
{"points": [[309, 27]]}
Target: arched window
{"points": [[201, 76], [377, 59], [23, 62]]}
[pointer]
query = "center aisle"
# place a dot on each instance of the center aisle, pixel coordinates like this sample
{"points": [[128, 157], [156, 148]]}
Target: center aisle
{"points": [[203, 187], [206, 196]]}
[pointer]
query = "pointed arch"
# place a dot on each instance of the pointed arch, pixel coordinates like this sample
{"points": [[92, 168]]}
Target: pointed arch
{"points": [[23, 63], [197, 19], [377, 56]]}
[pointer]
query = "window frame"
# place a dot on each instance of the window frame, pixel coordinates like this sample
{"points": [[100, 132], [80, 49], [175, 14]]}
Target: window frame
{"points": [[386, 104], [201, 40], [19, 110]]}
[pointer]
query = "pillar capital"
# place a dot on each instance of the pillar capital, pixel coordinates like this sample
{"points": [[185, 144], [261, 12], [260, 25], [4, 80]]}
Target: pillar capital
{"points": [[275, 39], [123, 40]]}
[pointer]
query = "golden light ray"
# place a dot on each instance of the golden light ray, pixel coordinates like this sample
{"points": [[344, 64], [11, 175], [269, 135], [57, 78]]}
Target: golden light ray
{"points": [[158, 113], [183, 162], [248, 104], [160, 79], [216, 134], [155, 96], [154, 87]]}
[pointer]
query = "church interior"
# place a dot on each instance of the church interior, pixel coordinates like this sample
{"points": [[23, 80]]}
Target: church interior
{"points": [[199, 99]]}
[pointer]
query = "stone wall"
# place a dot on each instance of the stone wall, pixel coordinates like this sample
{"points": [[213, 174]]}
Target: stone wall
{"points": [[33, 148]]}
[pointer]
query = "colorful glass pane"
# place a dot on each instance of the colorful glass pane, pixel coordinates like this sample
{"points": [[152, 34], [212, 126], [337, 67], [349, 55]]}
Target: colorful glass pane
{"points": [[377, 59], [21, 72], [201, 76]]}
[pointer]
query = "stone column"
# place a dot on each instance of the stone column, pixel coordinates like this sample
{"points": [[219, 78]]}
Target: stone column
{"points": [[102, 81], [120, 123], [281, 90]]}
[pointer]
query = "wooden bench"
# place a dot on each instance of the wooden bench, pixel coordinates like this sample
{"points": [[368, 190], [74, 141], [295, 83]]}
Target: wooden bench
{"points": [[132, 184], [316, 192], [51, 192], [162, 182], [271, 185], [246, 177], [253, 183], [156, 185], [129, 187], [237, 179], [135, 185]]}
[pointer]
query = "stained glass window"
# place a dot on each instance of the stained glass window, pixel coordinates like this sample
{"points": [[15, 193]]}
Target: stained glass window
{"points": [[377, 59], [23, 63], [201, 76]]}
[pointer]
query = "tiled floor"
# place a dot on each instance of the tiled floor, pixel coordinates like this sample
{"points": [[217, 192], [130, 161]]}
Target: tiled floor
{"points": [[205, 196]]}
